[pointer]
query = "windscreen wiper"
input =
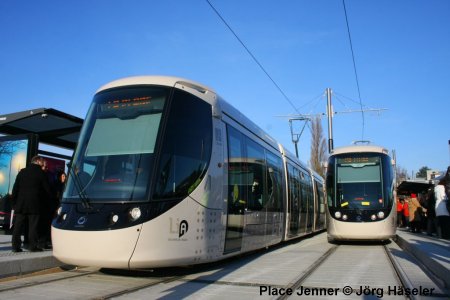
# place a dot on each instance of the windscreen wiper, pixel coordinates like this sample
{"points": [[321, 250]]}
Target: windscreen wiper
{"points": [[85, 202]]}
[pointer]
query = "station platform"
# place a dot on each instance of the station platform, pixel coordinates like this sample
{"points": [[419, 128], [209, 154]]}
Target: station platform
{"points": [[21, 263], [432, 252]]}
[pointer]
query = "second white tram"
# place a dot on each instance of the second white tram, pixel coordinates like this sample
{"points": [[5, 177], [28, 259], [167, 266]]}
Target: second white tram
{"points": [[360, 184], [166, 173]]}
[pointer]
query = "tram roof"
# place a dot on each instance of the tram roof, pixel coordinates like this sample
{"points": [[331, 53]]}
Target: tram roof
{"points": [[53, 127], [359, 148], [158, 80], [219, 104]]}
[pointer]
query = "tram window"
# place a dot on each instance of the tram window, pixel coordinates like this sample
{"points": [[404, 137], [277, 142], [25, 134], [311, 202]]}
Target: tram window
{"points": [[306, 190], [237, 172], [186, 148], [294, 187], [246, 173], [274, 201], [256, 184], [321, 198], [115, 153], [294, 199], [359, 183], [114, 136], [360, 174]]}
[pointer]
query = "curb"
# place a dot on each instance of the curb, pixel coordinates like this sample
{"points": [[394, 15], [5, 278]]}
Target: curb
{"points": [[432, 265], [20, 266]]}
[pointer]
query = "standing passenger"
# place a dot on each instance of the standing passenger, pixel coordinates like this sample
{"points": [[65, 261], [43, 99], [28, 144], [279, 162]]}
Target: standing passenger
{"points": [[442, 214], [415, 214], [400, 205], [431, 212], [31, 191], [59, 186], [422, 197], [406, 212], [48, 210]]}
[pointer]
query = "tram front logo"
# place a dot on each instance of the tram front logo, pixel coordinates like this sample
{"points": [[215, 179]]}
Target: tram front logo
{"points": [[82, 220], [180, 228], [183, 228]]}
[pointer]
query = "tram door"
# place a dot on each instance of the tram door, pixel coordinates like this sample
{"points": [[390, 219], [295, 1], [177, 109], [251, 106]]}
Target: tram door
{"points": [[294, 200], [310, 193], [236, 184], [305, 187], [320, 206]]}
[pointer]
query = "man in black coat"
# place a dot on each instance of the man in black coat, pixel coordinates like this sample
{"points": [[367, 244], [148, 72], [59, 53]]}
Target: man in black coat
{"points": [[31, 192]]}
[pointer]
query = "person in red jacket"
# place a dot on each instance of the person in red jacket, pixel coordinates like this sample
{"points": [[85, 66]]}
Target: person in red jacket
{"points": [[406, 212], [400, 218]]}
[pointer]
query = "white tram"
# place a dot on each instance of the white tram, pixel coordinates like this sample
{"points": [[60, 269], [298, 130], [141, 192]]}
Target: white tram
{"points": [[360, 183], [166, 173]]}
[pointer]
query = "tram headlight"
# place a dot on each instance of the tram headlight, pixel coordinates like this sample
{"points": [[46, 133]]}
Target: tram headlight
{"points": [[380, 215], [113, 219], [337, 215], [373, 217], [344, 217], [58, 212], [135, 213]]}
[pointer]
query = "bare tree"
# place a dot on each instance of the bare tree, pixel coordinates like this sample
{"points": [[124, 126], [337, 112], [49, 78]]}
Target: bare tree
{"points": [[8, 148], [318, 146], [402, 174]]}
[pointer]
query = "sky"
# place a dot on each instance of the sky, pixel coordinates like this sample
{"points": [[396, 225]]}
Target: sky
{"points": [[56, 54]]}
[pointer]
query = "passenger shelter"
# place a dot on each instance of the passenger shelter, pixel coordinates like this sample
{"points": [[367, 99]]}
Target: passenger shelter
{"points": [[52, 127], [21, 137]]}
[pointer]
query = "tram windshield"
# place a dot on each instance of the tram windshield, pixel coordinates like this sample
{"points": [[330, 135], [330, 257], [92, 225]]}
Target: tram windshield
{"points": [[117, 144], [358, 181], [116, 153]]}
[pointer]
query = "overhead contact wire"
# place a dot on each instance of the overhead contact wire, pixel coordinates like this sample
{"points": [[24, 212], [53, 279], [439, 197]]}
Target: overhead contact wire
{"points": [[253, 57], [354, 68]]}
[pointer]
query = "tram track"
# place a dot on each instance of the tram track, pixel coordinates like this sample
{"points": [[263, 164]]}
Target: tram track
{"points": [[295, 285], [402, 284], [76, 280], [402, 278], [331, 260], [364, 269], [68, 274], [136, 288]]}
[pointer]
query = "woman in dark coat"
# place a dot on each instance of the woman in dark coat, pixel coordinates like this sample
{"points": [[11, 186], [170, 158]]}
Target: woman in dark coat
{"points": [[31, 192]]}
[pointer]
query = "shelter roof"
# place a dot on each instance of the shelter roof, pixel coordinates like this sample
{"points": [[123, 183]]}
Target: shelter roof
{"points": [[54, 127], [413, 187]]}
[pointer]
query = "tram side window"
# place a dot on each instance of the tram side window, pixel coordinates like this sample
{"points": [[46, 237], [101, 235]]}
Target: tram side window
{"points": [[294, 198], [186, 148], [306, 188], [388, 179], [274, 189], [246, 171], [321, 197], [256, 166], [254, 181], [294, 193], [238, 179], [298, 193], [330, 185]]}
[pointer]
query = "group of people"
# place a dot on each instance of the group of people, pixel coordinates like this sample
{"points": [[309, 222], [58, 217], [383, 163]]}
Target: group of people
{"points": [[428, 210], [35, 199]]}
